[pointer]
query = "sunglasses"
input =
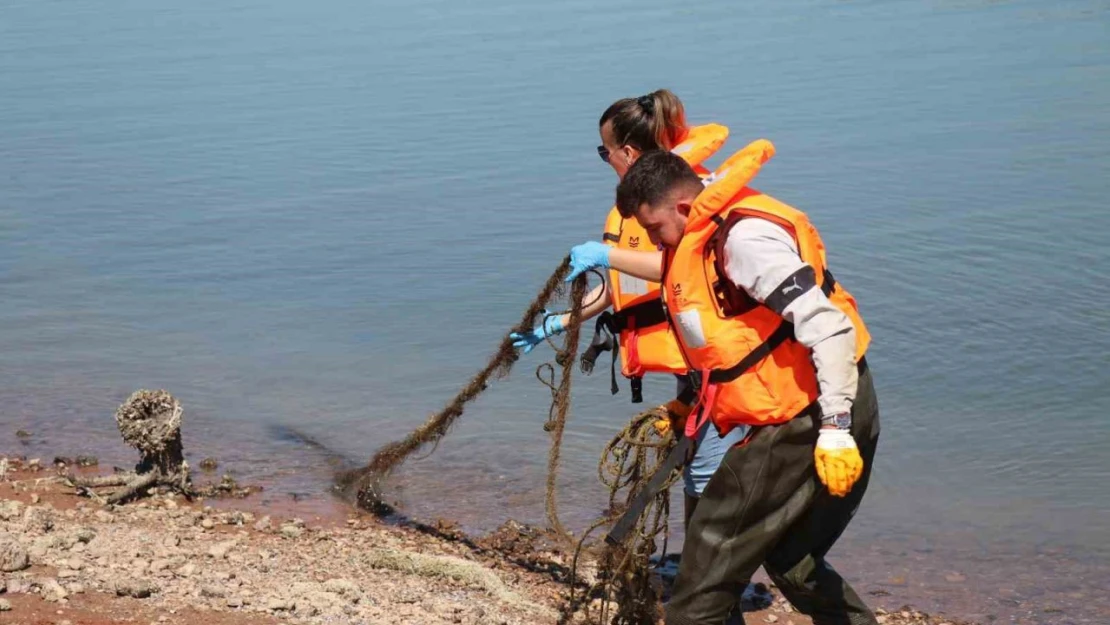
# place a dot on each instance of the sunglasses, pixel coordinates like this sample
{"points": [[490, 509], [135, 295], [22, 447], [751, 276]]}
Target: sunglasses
{"points": [[603, 152]]}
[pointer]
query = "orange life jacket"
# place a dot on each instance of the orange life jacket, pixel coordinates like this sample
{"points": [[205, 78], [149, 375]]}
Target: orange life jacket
{"points": [[753, 370], [645, 342]]}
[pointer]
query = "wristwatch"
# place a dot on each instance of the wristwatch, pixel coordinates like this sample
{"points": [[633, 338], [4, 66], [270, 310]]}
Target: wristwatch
{"points": [[840, 420]]}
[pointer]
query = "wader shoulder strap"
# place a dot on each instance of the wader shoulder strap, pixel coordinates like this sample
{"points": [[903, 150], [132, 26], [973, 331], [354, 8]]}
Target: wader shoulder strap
{"points": [[675, 459]]}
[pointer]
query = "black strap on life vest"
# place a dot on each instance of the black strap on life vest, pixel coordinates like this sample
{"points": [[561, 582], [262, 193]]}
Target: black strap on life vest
{"points": [[736, 301], [778, 337], [646, 314], [606, 338]]}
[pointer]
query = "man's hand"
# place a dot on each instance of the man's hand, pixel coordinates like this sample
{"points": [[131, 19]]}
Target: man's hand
{"points": [[587, 256], [675, 419], [838, 462]]}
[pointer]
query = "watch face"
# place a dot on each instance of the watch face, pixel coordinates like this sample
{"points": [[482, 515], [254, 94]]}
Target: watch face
{"points": [[843, 421]]}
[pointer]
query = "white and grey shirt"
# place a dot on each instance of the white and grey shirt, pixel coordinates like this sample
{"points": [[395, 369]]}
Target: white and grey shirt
{"points": [[762, 258]]}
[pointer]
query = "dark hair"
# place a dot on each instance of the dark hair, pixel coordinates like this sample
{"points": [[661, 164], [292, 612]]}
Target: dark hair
{"points": [[655, 121], [651, 178]]}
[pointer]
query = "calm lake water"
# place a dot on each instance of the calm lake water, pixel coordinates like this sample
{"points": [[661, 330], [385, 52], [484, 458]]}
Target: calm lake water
{"points": [[327, 214]]}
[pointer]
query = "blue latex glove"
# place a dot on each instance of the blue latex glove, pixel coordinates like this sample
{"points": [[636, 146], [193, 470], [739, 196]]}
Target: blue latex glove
{"points": [[587, 256], [552, 326]]}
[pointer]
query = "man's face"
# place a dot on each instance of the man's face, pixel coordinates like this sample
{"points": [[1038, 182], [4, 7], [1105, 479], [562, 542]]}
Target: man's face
{"points": [[664, 221]]}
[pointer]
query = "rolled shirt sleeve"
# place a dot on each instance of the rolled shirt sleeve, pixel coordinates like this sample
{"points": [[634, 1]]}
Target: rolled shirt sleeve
{"points": [[762, 258]]}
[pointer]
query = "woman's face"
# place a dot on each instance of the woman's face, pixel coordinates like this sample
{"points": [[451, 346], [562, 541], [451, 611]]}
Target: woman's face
{"points": [[619, 157]]}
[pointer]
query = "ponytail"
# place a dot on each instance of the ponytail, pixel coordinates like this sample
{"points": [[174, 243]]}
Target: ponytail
{"points": [[656, 121]]}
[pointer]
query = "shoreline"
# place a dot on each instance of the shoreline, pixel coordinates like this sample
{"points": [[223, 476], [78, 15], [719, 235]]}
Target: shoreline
{"points": [[239, 562]]}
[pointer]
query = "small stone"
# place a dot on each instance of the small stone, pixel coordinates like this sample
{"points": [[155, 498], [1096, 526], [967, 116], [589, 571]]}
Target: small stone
{"points": [[85, 534], [263, 525], [13, 557], [209, 464], [75, 563], [278, 604], [38, 519], [75, 588], [23, 434], [5, 605], [212, 592], [52, 591], [187, 570], [207, 524], [955, 577], [35, 464], [881, 619], [159, 565], [67, 573], [342, 587], [104, 516], [137, 588], [219, 550], [291, 531], [771, 618], [234, 602], [10, 509], [87, 461], [35, 498]]}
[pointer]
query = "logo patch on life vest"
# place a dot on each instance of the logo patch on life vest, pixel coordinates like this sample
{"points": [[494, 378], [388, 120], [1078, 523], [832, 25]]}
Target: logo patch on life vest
{"points": [[633, 241], [689, 325], [631, 285]]}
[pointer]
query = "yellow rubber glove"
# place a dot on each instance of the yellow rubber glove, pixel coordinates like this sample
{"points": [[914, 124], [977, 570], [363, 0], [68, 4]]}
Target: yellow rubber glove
{"points": [[838, 462], [676, 413]]}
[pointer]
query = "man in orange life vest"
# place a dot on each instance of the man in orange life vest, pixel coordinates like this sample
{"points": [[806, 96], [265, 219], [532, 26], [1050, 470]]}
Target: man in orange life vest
{"points": [[780, 346]]}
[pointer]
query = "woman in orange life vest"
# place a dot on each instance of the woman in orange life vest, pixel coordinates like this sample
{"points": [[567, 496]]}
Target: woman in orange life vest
{"points": [[628, 128], [780, 346]]}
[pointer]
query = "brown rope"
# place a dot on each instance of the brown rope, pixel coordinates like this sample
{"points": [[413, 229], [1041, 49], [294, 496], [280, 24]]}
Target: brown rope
{"points": [[624, 588], [560, 403], [366, 481]]}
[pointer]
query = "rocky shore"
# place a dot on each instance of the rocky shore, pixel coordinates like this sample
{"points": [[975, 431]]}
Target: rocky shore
{"points": [[67, 559]]}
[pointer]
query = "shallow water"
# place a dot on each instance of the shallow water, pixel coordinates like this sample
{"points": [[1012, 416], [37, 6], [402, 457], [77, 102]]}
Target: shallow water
{"points": [[327, 215]]}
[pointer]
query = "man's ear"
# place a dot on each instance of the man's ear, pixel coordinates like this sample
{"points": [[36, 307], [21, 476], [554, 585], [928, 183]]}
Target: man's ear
{"points": [[683, 207]]}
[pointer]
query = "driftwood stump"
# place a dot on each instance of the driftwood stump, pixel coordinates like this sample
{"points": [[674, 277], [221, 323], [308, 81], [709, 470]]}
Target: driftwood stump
{"points": [[150, 421]]}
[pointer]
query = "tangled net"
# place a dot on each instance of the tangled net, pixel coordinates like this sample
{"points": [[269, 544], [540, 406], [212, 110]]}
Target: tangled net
{"points": [[625, 592]]}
